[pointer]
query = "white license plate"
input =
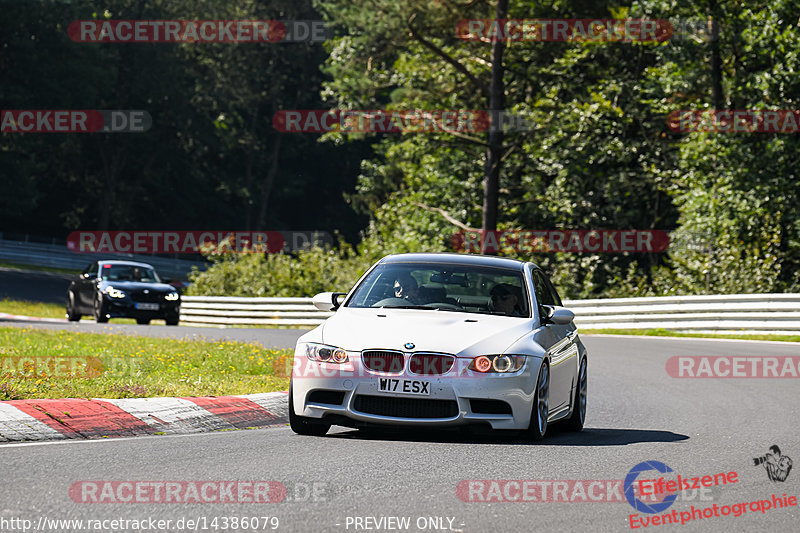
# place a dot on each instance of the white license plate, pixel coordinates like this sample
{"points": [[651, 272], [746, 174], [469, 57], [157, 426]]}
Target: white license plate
{"points": [[404, 386], [147, 307]]}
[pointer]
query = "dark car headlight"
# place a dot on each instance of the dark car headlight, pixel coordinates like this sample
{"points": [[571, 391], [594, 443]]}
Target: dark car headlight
{"points": [[113, 292], [171, 297]]}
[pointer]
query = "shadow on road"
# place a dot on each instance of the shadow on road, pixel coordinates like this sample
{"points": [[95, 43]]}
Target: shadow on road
{"points": [[555, 437]]}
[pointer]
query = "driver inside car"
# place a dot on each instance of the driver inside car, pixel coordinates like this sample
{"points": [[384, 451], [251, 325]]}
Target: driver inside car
{"points": [[505, 300], [406, 287]]}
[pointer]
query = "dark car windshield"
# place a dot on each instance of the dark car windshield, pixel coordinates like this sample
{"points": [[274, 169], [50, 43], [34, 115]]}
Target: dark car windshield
{"points": [[110, 272], [471, 289]]}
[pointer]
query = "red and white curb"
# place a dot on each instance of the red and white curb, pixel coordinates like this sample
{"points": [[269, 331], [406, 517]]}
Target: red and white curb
{"points": [[30, 420]]}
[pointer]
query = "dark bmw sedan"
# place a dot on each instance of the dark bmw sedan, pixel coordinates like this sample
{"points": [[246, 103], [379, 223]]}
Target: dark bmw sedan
{"points": [[122, 289]]}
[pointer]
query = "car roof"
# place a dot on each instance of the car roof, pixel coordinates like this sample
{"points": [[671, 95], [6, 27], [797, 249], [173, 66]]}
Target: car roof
{"points": [[456, 259], [125, 263]]}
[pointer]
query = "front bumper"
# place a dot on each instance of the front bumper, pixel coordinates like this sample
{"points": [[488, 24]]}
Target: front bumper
{"points": [[126, 308], [460, 397]]}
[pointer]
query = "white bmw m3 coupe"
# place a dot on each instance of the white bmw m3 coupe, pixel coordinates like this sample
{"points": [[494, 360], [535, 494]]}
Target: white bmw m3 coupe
{"points": [[434, 340]]}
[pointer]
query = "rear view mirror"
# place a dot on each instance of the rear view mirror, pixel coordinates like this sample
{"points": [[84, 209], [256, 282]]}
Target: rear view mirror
{"points": [[554, 314]]}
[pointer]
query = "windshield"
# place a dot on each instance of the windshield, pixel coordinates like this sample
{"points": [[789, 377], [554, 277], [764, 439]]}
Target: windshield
{"points": [[110, 272], [471, 289]]}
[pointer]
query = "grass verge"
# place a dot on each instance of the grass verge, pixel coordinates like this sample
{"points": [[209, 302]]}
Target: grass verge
{"points": [[64, 364], [20, 266], [667, 333], [40, 309]]}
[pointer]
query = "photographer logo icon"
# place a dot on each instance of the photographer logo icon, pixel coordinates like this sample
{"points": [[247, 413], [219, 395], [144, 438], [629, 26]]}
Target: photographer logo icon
{"points": [[777, 466]]}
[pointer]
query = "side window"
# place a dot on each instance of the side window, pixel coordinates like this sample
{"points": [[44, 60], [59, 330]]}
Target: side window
{"points": [[89, 268], [556, 297], [544, 293]]}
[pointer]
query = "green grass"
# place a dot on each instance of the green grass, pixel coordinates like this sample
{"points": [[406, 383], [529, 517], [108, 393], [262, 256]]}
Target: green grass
{"points": [[667, 333], [21, 307], [90, 365], [21, 266]]}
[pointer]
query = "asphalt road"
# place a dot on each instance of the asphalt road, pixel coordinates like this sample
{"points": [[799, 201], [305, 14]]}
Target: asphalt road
{"points": [[34, 286], [636, 413]]}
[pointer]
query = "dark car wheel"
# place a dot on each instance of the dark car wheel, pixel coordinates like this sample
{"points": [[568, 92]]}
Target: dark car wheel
{"points": [[143, 321], [303, 425], [171, 321], [72, 314], [540, 411], [100, 311], [575, 422]]}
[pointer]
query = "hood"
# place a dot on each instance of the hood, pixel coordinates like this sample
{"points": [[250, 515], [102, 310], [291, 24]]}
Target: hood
{"points": [[138, 285], [465, 334]]}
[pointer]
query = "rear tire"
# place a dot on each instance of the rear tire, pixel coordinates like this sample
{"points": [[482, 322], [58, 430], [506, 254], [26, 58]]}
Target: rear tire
{"points": [[72, 315], [576, 420], [540, 410], [303, 425]]}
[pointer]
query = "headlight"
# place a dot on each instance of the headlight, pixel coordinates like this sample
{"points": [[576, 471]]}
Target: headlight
{"points": [[326, 354], [498, 364], [115, 293], [171, 297]]}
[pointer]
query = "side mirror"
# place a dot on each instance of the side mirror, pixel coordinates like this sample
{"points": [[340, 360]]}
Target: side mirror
{"points": [[327, 301], [553, 314]]}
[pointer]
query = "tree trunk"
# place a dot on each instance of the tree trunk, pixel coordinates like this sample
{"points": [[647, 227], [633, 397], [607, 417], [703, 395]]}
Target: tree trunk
{"points": [[491, 182], [269, 180]]}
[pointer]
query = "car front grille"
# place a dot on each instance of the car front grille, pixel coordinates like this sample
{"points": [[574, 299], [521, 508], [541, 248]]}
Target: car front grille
{"points": [[430, 364], [405, 407], [383, 361], [150, 297]]}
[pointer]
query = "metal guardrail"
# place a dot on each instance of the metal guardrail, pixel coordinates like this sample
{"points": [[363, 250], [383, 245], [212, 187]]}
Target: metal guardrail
{"points": [[760, 313], [59, 256]]}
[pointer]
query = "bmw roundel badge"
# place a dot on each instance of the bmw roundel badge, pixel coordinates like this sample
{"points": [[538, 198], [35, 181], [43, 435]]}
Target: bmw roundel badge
{"points": [[409, 346]]}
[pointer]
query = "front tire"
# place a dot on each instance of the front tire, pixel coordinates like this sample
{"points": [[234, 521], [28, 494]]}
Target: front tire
{"points": [[72, 315], [576, 420], [100, 311], [172, 321], [303, 425], [143, 321], [540, 410]]}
